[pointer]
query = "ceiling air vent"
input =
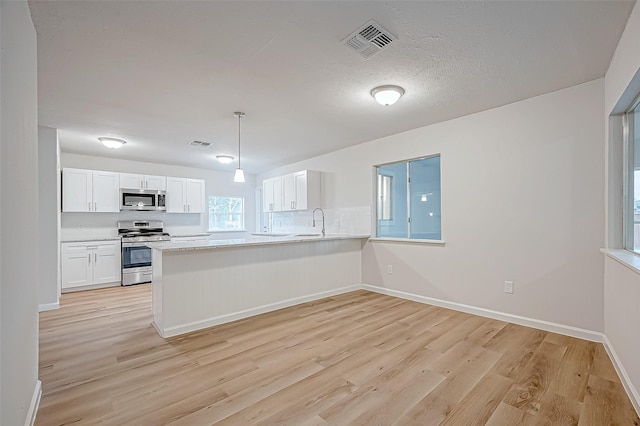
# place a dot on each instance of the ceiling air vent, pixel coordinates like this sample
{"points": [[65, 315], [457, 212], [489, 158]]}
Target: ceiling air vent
{"points": [[200, 144], [369, 39]]}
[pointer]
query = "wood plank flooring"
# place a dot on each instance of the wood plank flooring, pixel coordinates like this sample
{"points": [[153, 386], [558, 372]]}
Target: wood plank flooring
{"points": [[356, 359]]}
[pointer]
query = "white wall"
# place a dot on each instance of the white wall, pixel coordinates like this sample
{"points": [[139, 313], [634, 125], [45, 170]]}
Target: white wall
{"points": [[621, 284], [19, 225], [102, 224], [49, 218], [522, 200]]}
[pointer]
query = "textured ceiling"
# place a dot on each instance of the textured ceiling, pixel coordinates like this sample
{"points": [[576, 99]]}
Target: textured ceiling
{"points": [[161, 74]]}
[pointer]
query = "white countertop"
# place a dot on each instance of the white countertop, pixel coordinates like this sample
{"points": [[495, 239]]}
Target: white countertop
{"points": [[254, 240], [84, 240], [201, 234]]}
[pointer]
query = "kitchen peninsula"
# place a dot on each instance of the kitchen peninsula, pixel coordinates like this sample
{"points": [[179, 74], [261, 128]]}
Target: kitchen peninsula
{"points": [[199, 284]]}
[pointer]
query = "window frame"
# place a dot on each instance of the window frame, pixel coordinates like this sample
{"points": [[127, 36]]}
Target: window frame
{"points": [[374, 209], [242, 214], [628, 179]]}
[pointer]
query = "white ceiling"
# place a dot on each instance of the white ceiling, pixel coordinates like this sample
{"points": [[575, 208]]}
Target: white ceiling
{"points": [[161, 74]]}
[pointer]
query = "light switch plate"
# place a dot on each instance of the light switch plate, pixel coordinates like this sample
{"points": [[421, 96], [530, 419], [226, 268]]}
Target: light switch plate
{"points": [[508, 287]]}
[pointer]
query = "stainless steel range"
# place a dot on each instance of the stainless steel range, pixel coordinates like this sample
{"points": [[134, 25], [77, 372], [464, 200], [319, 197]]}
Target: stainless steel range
{"points": [[136, 256]]}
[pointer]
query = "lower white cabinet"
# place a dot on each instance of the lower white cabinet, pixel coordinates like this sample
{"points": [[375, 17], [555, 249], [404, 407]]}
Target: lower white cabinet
{"points": [[89, 263]]}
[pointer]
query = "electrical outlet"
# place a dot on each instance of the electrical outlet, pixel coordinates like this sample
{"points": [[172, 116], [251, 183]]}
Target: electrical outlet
{"points": [[508, 287], [389, 269]]}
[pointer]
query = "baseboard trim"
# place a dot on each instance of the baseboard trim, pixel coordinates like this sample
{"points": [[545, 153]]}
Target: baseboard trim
{"points": [[91, 287], [35, 403], [222, 319], [48, 307], [632, 392], [566, 330]]}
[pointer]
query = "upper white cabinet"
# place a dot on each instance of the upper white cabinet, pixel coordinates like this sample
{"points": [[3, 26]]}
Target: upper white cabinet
{"points": [[105, 192], [294, 191], [176, 195], [135, 181], [158, 183], [98, 191], [195, 196], [301, 190], [272, 194], [89, 191], [77, 190], [185, 195]]}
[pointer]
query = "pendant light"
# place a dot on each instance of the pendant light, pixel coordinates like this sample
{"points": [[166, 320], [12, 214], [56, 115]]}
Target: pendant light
{"points": [[239, 176]]}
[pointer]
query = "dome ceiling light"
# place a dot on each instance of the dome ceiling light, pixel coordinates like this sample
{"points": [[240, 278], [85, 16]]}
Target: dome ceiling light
{"points": [[387, 95], [112, 143], [225, 159]]}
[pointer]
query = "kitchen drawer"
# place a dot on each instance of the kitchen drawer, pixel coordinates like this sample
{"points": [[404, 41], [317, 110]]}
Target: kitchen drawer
{"points": [[77, 247]]}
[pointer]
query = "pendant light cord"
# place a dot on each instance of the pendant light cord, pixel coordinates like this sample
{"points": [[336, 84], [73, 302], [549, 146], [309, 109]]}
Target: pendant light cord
{"points": [[239, 115]]}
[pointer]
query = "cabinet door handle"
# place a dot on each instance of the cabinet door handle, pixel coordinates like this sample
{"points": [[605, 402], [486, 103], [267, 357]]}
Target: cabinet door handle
{"points": [[89, 205], [95, 206], [95, 257], [89, 261], [184, 208]]}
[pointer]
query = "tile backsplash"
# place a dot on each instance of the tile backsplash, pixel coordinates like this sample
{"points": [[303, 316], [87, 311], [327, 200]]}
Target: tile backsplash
{"points": [[347, 220]]}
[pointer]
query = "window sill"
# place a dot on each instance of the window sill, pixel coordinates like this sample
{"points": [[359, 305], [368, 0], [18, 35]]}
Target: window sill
{"points": [[625, 257], [408, 241]]}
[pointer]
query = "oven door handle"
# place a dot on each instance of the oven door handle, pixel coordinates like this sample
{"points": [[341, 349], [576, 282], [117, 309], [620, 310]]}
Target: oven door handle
{"points": [[134, 245]]}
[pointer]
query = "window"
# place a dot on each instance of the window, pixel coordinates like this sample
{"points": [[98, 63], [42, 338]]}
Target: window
{"points": [[226, 213], [408, 199], [632, 181]]}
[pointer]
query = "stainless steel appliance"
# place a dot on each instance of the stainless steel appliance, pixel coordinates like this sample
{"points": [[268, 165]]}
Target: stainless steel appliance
{"points": [[142, 200], [136, 256]]}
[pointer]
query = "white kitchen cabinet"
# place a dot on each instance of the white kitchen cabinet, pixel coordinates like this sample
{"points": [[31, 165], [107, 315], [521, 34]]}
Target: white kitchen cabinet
{"points": [[89, 191], [105, 191], [90, 263], [185, 195], [136, 181], [301, 190], [195, 196], [158, 183], [272, 194], [77, 190]]}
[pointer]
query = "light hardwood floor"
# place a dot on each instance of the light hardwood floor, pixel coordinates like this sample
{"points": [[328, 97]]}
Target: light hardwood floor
{"points": [[356, 359]]}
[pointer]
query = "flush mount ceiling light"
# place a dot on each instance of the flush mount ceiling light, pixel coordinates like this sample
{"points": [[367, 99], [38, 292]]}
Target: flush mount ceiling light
{"points": [[387, 95], [225, 159], [112, 143], [239, 176]]}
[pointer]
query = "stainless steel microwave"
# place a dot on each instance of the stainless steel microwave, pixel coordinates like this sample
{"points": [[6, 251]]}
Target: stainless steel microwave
{"points": [[142, 200]]}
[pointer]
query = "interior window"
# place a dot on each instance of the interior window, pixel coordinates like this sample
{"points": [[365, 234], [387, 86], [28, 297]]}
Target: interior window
{"points": [[632, 183], [408, 199]]}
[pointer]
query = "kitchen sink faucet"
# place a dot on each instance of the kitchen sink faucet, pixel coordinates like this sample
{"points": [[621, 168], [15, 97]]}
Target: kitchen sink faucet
{"points": [[314, 218]]}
